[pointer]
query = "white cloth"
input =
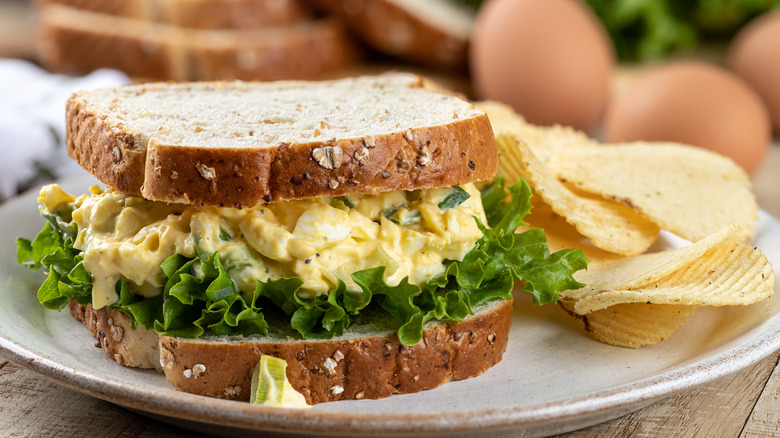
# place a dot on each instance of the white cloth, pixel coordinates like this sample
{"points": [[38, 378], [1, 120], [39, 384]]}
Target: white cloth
{"points": [[32, 121]]}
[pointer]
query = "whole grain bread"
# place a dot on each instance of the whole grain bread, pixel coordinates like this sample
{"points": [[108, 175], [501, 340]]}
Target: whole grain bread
{"points": [[431, 32], [240, 144], [73, 40], [201, 14], [138, 348], [367, 362]]}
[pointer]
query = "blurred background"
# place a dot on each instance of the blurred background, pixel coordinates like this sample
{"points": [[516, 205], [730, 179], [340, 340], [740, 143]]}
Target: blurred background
{"points": [[698, 72]]}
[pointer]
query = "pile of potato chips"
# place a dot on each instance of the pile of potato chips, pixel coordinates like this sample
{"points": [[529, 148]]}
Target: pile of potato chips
{"points": [[611, 201]]}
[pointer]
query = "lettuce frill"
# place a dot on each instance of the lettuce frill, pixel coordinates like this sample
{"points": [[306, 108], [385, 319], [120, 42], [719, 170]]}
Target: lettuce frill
{"points": [[199, 296]]}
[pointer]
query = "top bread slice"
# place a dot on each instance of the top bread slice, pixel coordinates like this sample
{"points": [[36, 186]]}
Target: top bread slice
{"points": [[239, 144], [200, 14]]}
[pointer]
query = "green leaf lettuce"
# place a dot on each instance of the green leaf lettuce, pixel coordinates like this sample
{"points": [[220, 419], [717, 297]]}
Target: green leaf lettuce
{"points": [[199, 296]]}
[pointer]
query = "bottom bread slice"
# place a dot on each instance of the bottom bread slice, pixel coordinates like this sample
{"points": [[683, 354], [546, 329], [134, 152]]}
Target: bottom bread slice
{"points": [[133, 348], [366, 362]]}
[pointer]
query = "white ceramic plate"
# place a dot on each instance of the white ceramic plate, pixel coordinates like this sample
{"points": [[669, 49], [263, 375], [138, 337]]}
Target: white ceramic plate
{"points": [[553, 378]]}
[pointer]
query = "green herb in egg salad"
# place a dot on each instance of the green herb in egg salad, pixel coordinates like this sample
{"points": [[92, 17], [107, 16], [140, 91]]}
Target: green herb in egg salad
{"points": [[186, 271]]}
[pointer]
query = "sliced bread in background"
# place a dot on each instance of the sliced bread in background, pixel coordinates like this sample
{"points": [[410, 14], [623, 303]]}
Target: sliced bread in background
{"points": [[247, 39], [75, 40], [429, 32], [201, 14]]}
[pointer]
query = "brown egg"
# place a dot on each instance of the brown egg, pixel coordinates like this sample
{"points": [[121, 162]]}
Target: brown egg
{"points": [[550, 60], [696, 104], [755, 55]]}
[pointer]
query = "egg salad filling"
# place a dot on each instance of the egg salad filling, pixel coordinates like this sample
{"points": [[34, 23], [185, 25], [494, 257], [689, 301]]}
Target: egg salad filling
{"points": [[320, 240], [430, 254]]}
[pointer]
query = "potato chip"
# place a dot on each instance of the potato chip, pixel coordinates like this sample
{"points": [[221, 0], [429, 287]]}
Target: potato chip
{"points": [[610, 226], [562, 235], [693, 193], [643, 300], [635, 272], [686, 190], [729, 274], [545, 142], [633, 325]]}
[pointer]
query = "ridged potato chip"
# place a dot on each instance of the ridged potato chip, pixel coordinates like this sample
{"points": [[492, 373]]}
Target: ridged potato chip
{"points": [[633, 325], [562, 235], [610, 226], [634, 272], [686, 190], [729, 274], [612, 200], [642, 300], [545, 142]]}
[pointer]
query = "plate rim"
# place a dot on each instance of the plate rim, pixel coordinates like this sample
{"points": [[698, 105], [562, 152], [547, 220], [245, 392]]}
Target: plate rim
{"points": [[244, 416]]}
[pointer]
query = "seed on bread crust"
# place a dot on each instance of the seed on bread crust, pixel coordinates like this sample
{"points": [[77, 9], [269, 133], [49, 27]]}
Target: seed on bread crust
{"points": [[328, 157], [233, 392], [117, 333], [166, 358], [402, 161], [198, 369], [116, 154], [206, 171], [329, 365], [425, 156], [362, 156]]}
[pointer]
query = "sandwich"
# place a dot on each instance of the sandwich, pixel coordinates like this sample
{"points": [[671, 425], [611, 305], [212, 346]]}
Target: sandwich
{"points": [[355, 229]]}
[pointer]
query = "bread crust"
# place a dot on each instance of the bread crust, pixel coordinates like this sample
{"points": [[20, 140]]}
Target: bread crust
{"points": [[366, 367], [311, 51], [200, 14], [457, 153], [72, 40], [121, 8], [394, 30], [137, 348], [72, 47], [233, 14], [114, 156]]}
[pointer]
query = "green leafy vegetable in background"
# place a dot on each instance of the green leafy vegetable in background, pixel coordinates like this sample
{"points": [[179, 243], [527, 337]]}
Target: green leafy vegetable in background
{"points": [[645, 29], [199, 295], [650, 29], [471, 4]]}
